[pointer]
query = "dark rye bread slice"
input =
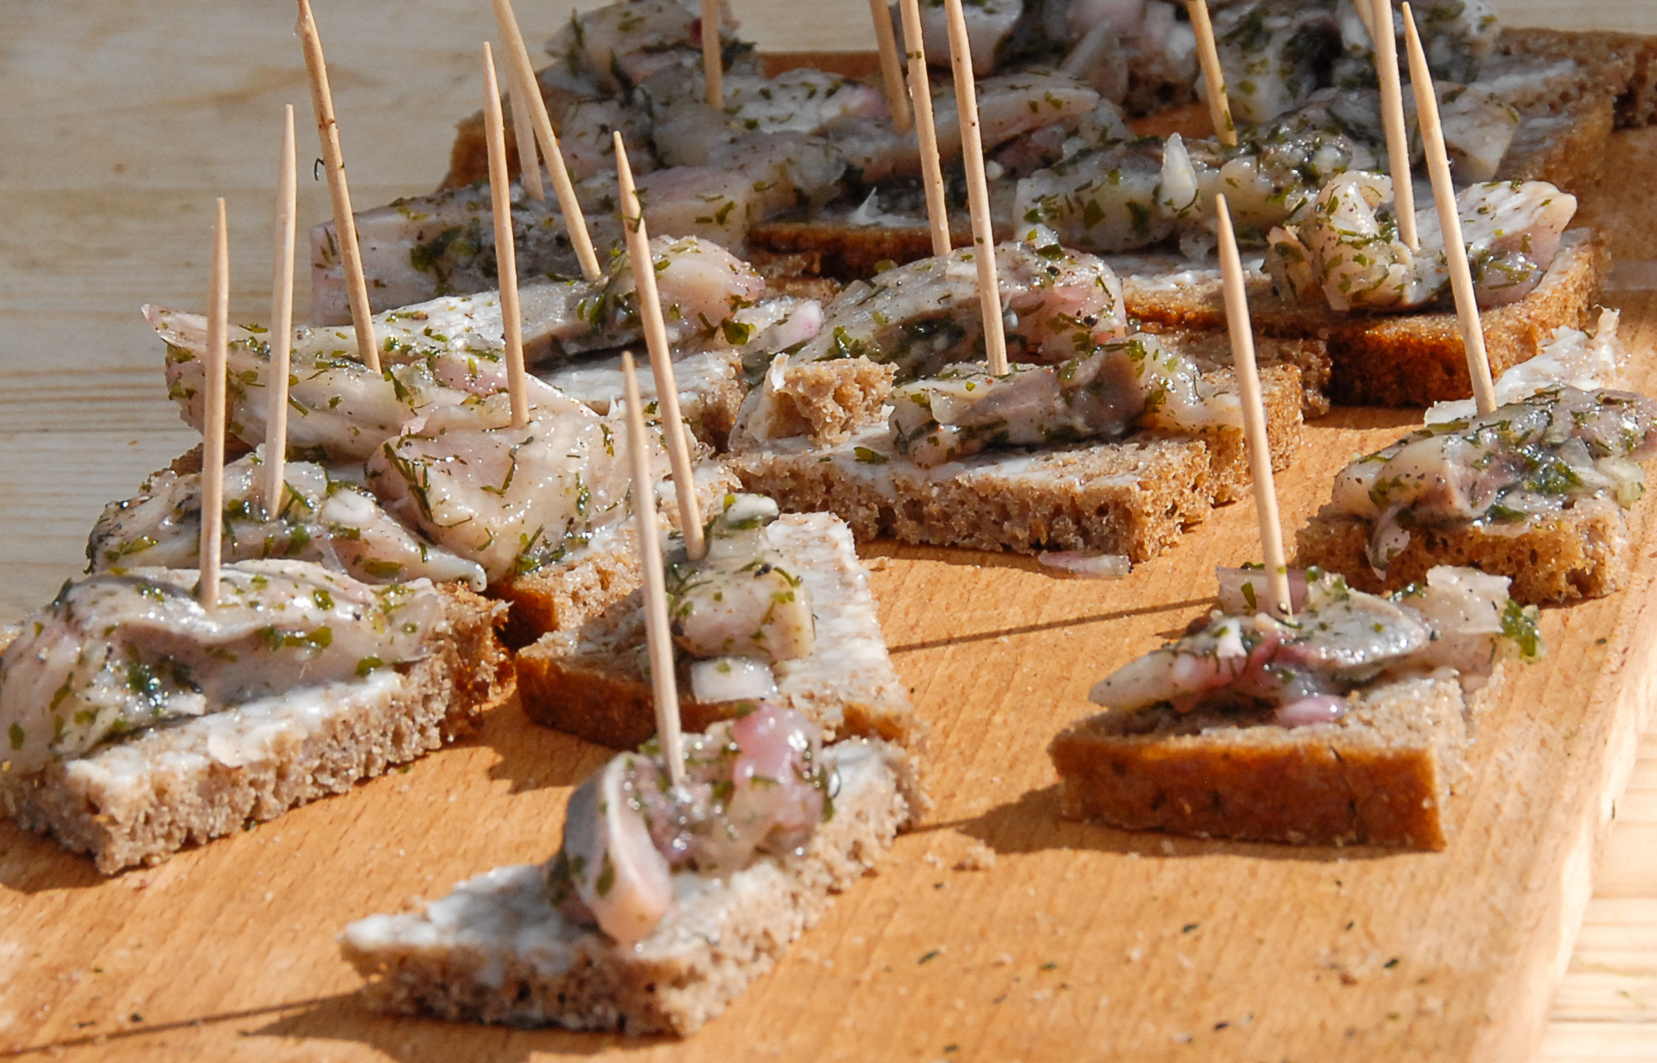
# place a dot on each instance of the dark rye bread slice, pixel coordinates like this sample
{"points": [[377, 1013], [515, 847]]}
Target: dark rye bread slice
{"points": [[140, 799], [590, 680], [848, 251], [496, 950], [1621, 66], [1565, 148], [1583, 553], [1133, 497], [1390, 359], [1380, 775]]}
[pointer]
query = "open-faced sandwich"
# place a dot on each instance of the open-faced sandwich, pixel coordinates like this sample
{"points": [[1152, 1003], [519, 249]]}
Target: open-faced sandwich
{"points": [[1534, 491], [1346, 725], [137, 721], [663, 902]]}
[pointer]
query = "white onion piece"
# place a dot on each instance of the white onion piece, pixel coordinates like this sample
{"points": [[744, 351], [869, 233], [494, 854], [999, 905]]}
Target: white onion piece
{"points": [[1087, 566], [1319, 708], [1234, 602], [731, 679]]}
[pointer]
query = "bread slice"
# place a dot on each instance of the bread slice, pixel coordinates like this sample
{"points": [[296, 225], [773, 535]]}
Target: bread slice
{"points": [[141, 798], [1133, 497], [1584, 553], [1619, 66], [564, 593], [590, 680], [1385, 359], [1565, 147], [496, 950], [847, 250], [1380, 775]]}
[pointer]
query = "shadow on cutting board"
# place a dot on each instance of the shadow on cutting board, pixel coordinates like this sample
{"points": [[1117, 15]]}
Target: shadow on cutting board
{"points": [[532, 757], [1033, 824], [1180, 608], [34, 863], [344, 1018]]}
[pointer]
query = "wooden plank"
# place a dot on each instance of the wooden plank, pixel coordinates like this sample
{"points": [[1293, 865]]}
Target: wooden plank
{"points": [[1634, 16], [1160, 948], [1590, 1042]]}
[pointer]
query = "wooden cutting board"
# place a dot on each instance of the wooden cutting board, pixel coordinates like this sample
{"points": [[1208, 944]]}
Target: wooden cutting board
{"points": [[1079, 942]]}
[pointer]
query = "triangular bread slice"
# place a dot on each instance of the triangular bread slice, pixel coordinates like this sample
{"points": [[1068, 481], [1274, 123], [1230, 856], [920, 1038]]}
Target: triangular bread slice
{"points": [[498, 950]]}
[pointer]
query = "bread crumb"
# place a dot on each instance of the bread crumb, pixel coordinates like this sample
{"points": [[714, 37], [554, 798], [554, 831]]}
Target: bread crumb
{"points": [[979, 857], [1167, 847]]}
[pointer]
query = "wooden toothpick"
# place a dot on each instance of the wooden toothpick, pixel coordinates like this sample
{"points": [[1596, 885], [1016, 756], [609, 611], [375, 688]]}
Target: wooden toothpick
{"points": [[926, 130], [1449, 220], [1254, 417], [658, 637], [525, 86], [333, 161], [713, 62], [523, 131], [661, 358], [1366, 15], [891, 68], [506, 254], [1392, 116], [978, 193], [281, 323], [212, 418], [1219, 107]]}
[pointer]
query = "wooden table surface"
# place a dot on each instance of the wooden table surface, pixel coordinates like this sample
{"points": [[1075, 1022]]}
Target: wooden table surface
{"points": [[121, 125]]}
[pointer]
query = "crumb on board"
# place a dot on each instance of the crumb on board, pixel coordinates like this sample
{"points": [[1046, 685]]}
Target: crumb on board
{"points": [[978, 857]]}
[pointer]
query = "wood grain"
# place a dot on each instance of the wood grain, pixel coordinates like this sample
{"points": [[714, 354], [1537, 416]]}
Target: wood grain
{"points": [[1079, 943]]}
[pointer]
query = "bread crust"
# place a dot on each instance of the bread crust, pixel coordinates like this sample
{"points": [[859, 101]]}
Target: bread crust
{"points": [[566, 593], [141, 799]]}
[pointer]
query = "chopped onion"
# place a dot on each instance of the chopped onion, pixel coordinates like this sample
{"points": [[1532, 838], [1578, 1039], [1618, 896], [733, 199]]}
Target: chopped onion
{"points": [[1235, 600], [1319, 708], [731, 679], [1087, 566]]}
